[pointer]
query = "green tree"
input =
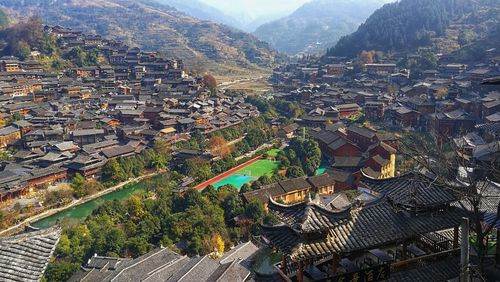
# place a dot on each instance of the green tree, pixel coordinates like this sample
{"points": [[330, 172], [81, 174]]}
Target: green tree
{"points": [[64, 245], [294, 171], [255, 211], [16, 117], [304, 153], [4, 19], [112, 172], [60, 271], [23, 50], [77, 184]]}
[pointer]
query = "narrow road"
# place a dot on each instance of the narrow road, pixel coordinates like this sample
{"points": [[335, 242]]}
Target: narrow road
{"points": [[225, 85]]}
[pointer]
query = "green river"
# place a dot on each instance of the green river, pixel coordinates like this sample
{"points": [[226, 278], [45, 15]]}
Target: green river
{"points": [[80, 212]]}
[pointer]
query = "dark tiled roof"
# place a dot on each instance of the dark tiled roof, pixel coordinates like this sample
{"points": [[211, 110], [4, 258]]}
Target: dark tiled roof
{"points": [[381, 161], [118, 151], [340, 175], [321, 180], [411, 189], [264, 193], [376, 225], [348, 161], [361, 131], [295, 184], [86, 132], [25, 257], [308, 217], [8, 130]]}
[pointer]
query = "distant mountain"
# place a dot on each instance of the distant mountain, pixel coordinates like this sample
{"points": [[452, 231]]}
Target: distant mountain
{"points": [[446, 25], [200, 10], [4, 19], [317, 25], [153, 27]]}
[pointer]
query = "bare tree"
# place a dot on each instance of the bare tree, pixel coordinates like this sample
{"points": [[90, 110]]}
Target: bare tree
{"points": [[451, 164]]}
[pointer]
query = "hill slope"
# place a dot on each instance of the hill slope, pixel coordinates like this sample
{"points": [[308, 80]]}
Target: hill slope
{"points": [[153, 27], [408, 24], [319, 21], [200, 10]]}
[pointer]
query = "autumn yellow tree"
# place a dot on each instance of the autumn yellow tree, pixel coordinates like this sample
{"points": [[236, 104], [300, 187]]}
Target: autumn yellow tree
{"points": [[442, 93], [217, 245], [366, 57], [219, 146], [210, 81]]}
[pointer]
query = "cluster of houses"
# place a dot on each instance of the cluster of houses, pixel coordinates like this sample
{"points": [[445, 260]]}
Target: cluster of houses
{"points": [[454, 101], [351, 152], [450, 100], [54, 125]]}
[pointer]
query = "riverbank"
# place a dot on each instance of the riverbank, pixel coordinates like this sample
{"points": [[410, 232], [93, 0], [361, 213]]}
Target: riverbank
{"points": [[20, 226]]}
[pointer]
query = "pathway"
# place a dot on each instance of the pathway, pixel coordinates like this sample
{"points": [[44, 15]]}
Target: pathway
{"points": [[227, 84], [50, 212], [249, 154]]}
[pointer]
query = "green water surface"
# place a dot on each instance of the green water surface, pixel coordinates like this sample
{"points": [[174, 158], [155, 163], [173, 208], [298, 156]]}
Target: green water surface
{"points": [[80, 212]]}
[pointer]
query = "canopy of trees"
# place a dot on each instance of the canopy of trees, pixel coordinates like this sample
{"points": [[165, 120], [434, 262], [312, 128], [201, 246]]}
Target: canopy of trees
{"points": [[199, 223], [4, 19], [121, 169], [403, 25], [304, 154], [82, 58], [21, 38], [271, 108], [210, 81], [219, 146]]}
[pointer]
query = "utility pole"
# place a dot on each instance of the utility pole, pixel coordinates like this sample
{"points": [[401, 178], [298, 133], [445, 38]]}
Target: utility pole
{"points": [[464, 251]]}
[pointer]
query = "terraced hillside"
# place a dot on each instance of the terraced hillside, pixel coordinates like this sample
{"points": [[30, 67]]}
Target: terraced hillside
{"points": [[153, 27]]}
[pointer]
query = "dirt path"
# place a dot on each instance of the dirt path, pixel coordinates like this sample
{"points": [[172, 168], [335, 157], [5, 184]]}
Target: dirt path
{"points": [[50, 212]]}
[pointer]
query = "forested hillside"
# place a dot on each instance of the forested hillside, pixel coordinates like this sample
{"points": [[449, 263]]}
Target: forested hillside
{"points": [[408, 24], [4, 19], [153, 27], [317, 25]]}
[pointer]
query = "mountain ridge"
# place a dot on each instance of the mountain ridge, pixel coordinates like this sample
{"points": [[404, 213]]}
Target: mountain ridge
{"points": [[154, 27], [318, 21], [202, 11], [409, 24]]}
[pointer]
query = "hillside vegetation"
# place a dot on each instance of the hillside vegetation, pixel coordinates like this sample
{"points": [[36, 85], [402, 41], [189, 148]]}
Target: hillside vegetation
{"points": [[153, 27], [4, 19], [200, 10], [446, 25], [317, 25]]}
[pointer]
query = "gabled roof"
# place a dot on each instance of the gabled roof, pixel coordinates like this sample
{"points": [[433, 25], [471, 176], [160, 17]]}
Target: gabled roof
{"points": [[295, 184], [369, 227], [118, 151], [320, 181], [308, 216], [25, 257], [412, 189], [361, 131], [348, 161]]}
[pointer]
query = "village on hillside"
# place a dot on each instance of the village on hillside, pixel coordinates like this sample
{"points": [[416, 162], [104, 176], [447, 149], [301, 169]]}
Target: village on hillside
{"points": [[137, 168]]}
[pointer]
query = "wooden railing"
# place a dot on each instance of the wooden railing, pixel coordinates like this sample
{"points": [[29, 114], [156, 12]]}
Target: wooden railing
{"points": [[408, 262]]}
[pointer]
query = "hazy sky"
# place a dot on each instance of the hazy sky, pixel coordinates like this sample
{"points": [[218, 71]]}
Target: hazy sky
{"points": [[253, 9]]}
